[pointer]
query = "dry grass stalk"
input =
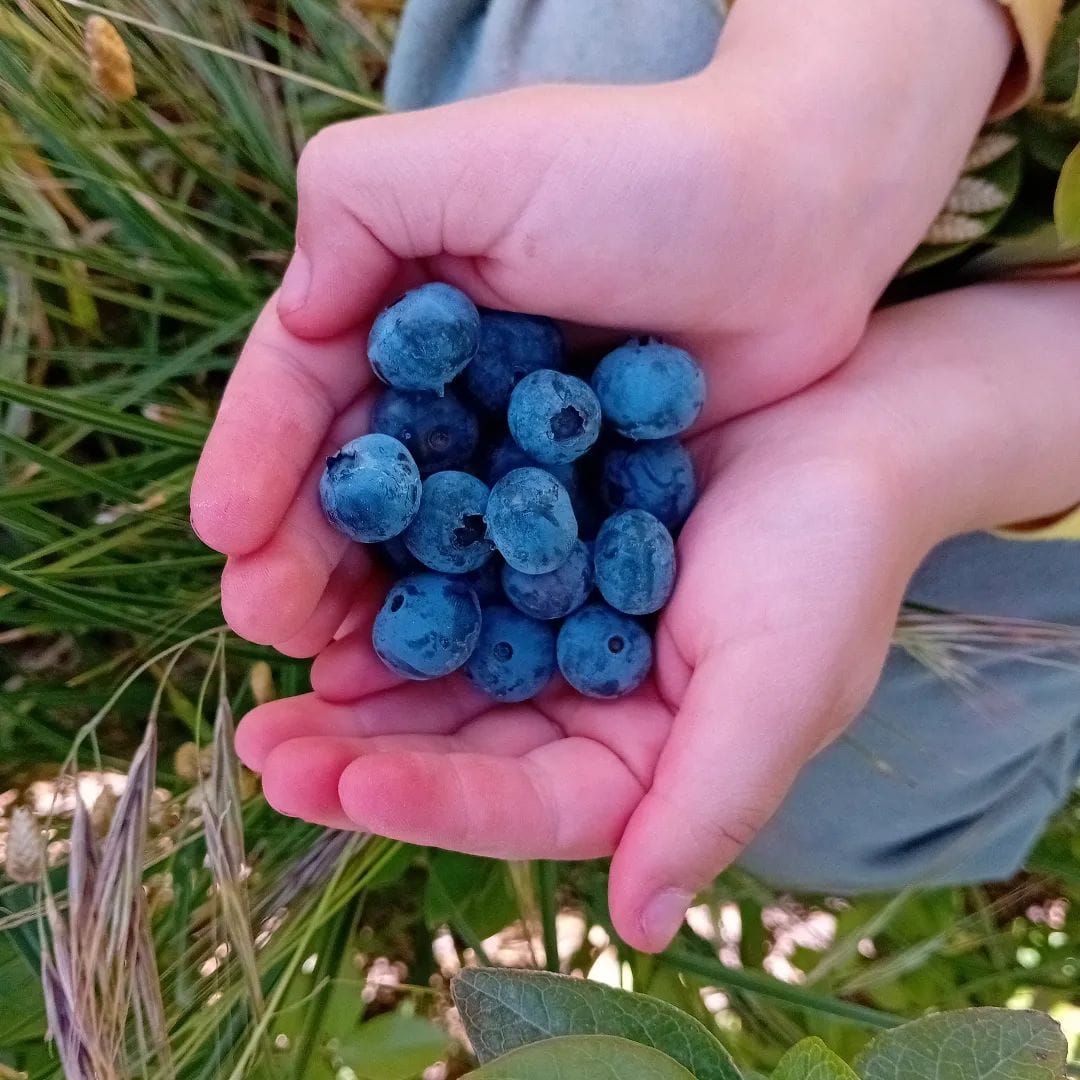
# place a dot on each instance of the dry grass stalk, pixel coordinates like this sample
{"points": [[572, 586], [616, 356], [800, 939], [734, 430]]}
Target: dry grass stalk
{"points": [[25, 854], [223, 826], [100, 979], [110, 61]]}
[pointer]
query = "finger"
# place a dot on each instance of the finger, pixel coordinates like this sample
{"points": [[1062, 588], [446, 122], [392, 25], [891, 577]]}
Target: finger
{"points": [[407, 708], [269, 595], [300, 777], [353, 587], [282, 398], [568, 799], [348, 669]]}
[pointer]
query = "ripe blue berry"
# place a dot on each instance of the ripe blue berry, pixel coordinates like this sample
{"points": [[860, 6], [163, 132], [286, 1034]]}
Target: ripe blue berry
{"points": [[649, 390], [555, 594], [370, 489], [603, 653], [398, 558], [439, 432], [554, 417], [423, 340], [654, 476], [634, 562], [531, 520], [507, 456], [448, 533], [427, 627], [514, 658], [511, 346]]}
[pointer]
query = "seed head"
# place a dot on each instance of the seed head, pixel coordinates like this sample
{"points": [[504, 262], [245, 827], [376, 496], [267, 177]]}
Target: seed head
{"points": [[953, 229], [988, 149], [974, 195], [24, 858], [110, 61]]}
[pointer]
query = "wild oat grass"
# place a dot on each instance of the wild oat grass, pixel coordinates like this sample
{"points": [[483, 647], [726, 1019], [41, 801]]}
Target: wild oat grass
{"points": [[147, 155]]}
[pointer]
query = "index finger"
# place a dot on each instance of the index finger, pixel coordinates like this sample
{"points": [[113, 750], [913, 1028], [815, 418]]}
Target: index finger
{"points": [[282, 398]]}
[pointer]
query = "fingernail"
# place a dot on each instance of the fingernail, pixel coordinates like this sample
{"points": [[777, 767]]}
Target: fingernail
{"points": [[663, 915], [295, 283]]}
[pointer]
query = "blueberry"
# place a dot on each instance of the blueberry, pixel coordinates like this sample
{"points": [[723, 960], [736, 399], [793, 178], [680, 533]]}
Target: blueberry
{"points": [[439, 432], [603, 653], [649, 390], [634, 562], [424, 339], [531, 520], [654, 476], [370, 489], [448, 532], [555, 594], [554, 417], [507, 456], [486, 582], [427, 627], [514, 658], [511, 346]]}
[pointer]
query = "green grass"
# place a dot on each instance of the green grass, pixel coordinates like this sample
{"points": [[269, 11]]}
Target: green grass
{"points": [[137, 242]]}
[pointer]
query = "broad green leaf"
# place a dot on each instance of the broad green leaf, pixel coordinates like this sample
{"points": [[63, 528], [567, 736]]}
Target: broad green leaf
{"points": [[468, 892], [573, 1057], [504, 1009], [811, 1059], [1067, 200], [394, 1046], [972, 1044]]}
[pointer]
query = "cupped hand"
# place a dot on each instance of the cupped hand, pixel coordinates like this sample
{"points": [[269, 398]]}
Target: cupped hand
{"points": [[791, 570], [752, 213], [957, 412]]}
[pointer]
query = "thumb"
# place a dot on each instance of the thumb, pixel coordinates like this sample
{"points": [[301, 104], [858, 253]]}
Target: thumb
{"points": [[443, 185]]}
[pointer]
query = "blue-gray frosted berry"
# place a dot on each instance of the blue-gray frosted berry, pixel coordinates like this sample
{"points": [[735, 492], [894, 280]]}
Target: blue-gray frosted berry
{"points": [[439, 432], [370, 489], [634, 562], [531, 521], [506, 456], [555, 594], [427, 627], [511, 346], [449, 532], [425, 339], [649, 390], [514, 658], [553, 417], [653, 476], [603, 653]]}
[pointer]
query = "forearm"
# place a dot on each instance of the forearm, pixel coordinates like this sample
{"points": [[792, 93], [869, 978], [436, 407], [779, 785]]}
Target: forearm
{"points": [[972, 399], [875, 103]]}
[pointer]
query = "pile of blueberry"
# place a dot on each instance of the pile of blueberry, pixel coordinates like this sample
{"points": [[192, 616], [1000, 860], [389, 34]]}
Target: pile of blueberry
{"points": [[478, 484]]}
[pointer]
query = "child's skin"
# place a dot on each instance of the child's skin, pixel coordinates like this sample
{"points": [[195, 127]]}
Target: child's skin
{"points": [[759, 234]]}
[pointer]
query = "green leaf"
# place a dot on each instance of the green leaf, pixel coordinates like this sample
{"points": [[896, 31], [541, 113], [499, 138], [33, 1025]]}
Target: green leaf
{"points": [[1067, 200], [504, 1009], [571, 1057], [972, 1044], [466, 891], [1063, 59], [394, 1046], [811, 1059]]}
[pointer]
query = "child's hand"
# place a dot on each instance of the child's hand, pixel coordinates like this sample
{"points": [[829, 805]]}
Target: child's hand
{"points": [[753, 212], [956, 413]]}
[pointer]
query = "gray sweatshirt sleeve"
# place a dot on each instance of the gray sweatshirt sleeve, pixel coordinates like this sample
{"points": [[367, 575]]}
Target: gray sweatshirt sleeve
{"points": [[452, 49]]}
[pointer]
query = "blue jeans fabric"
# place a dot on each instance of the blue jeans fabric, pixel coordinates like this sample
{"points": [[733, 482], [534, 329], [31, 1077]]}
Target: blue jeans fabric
{"points": [[933, 784]]}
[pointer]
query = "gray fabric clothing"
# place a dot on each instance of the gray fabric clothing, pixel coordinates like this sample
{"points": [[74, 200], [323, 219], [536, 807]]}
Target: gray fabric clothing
{"points": [[932, 784]]}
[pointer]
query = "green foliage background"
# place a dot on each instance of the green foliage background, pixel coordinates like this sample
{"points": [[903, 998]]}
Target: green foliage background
{"points": [[137, 242]]}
